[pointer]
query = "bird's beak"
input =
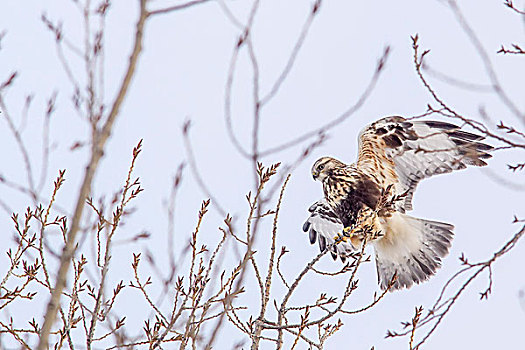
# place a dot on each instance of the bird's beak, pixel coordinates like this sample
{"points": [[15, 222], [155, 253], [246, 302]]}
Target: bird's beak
{"points": [[315, 175]]}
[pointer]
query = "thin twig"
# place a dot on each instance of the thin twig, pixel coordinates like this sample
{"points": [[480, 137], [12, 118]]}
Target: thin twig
{"points": [[96, 154]]}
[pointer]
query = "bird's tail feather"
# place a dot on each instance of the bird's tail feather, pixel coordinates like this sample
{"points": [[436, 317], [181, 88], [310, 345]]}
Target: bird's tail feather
{"points": [[411, 249]]}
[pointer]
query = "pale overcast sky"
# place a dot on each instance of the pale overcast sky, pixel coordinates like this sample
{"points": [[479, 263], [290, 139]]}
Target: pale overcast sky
{"points": [[182, 75]]}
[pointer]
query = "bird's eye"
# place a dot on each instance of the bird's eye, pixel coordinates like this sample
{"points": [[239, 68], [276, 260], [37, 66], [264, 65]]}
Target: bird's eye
{"points": [[320, 167]]}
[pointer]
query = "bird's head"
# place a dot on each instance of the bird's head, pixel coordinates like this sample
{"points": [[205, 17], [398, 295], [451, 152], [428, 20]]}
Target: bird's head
{"points": [[324, 166]]}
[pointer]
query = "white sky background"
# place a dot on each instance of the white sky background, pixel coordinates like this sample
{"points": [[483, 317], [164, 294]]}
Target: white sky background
{"points": [[182, 74]]}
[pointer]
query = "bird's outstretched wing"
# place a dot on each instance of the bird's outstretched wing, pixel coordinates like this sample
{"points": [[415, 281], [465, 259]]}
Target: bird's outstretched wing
{"points": [[323, 225], [402, 152]]}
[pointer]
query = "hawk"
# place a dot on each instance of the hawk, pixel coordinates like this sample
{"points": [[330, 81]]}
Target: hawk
{"points": [[367, 201]]}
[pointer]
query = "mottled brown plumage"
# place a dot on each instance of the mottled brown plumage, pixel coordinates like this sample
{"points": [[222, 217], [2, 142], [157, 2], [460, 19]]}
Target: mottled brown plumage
{"points": [[371, 196]]}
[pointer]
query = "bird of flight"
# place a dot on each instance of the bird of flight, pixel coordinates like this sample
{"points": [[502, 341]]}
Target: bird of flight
{"points": [[367, 201]]}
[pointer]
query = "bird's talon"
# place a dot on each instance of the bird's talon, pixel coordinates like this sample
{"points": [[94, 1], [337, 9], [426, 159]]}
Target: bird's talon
{"points": [[341, 238]]}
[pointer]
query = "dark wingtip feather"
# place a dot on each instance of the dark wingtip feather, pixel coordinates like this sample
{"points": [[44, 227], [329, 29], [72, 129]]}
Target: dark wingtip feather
{"points": [[440, 125], [306, 226], [312, 235], [313, 207], [468, 145], [454, 131], [322, 243], [483, 146], [485, 156], [464, 135]]}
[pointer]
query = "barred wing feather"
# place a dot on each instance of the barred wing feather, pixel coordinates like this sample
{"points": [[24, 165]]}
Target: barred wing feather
{"points": [[414, 150], [323, 225]]}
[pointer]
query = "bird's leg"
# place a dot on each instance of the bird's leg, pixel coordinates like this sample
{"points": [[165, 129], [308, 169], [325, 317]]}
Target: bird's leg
{"points": [[349, 234], [353, 233], [366, 226], [348, 231]]}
